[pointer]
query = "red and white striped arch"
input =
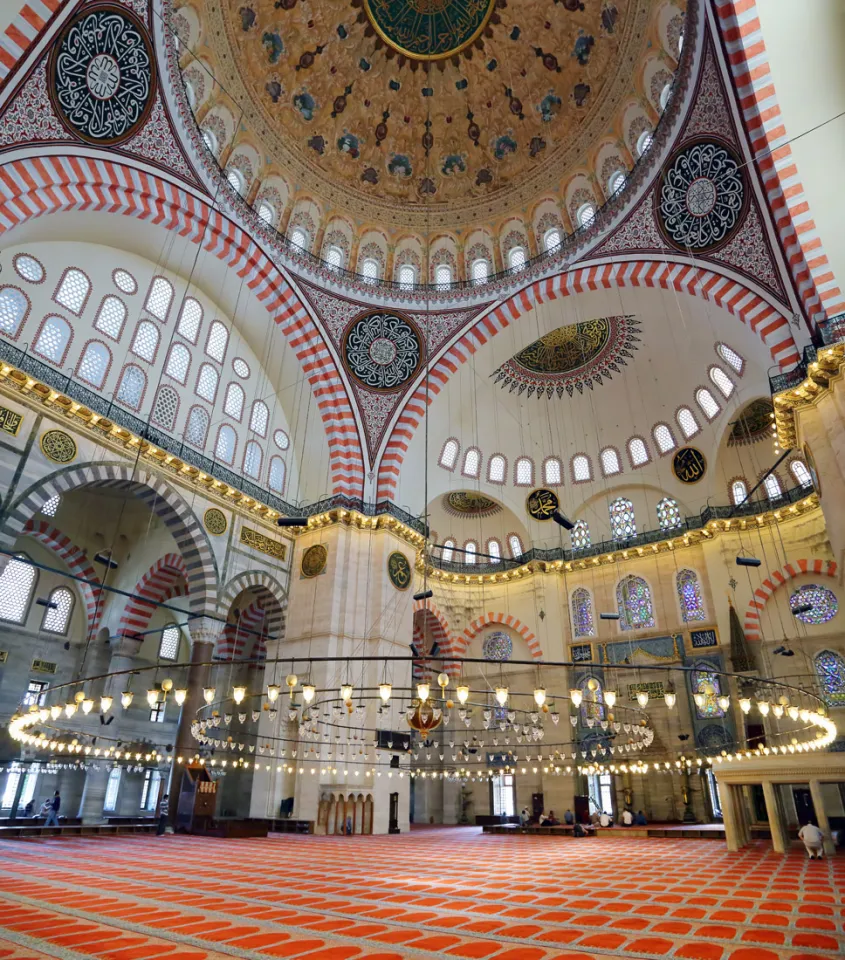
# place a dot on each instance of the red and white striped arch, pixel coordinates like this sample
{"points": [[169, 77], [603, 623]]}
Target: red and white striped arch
{"points": [[167, 578], [24, 30], [752, 627], [463, 641], [37, 186], [76, 560], [764, 127], [768, 322], [250, 627]]}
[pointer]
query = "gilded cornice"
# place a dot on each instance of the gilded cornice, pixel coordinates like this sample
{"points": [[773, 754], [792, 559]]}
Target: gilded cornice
{"points": [[828, 368]]}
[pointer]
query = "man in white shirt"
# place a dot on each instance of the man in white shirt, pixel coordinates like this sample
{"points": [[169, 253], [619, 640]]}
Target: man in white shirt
{"points": [[627, 818], [605, 820], [813, 840]]}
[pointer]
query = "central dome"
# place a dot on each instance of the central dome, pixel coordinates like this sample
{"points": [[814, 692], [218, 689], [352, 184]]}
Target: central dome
{"points": [[440, 112]]}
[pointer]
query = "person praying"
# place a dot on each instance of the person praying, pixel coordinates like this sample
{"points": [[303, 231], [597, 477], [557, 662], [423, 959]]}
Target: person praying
{"points": [[813, 839]]}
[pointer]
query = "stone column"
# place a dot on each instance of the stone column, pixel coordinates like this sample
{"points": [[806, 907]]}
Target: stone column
{"points": [[94, 793], [204, 633], [729, 815], [821, 816], [780, 840], [284, 218]]}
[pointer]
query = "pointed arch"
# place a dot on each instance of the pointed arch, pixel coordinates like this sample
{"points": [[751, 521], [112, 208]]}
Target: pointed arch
{"points": [[261, 620], [167, 578], [775, 579], [463, 641]]}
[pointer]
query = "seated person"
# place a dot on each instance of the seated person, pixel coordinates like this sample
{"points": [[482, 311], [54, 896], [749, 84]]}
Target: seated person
{"points": [[578, 831], [595, 819], [639, 819], [605, 820], [627, 818], [569, 817], [552, 820], [29, 809]]}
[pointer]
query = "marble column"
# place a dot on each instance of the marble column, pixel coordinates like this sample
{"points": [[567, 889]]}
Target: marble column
{"points": [[729, 815], [780, 838], [821, 816]]}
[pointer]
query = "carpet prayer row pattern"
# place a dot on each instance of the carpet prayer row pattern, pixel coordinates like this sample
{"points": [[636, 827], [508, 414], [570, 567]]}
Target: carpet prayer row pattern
{"points": [[434, 893]]}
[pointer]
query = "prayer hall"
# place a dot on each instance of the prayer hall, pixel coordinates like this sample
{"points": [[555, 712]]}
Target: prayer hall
{"points": [[422, 480]]}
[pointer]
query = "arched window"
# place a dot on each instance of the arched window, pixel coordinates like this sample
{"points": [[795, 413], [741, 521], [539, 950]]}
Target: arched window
{"points": [[472, 462], [739, 491], [705, 399], [73, 290], [552, 472], [665, 93], [515, 545], [159, 298], [830, 667], [334, 257], [448, 550], [168, 648], [668, 514], [516, 258], [94, 364], [616, 182], [731, 357], [687, 422], [125, 282], [407, 276], [190, 318], [582, 613], [49, 507], [689, 596], [260, 418], [799, 470], [224, 449], [165, 407], [723, 382], [281, 439], [16, 586], [111, 316], [663, 438], [644, 142], [57, 614], [773, 488], [112, 789], [637, 452], [580, 536], [449, 454], [252, 460], [14, 306], [197, 428], [610, 462], [443, 276], [552, 238], [370, 270], [266, 212], [586, 214], [28, 268], [178, 363], [207, 382], [233, 405], [53, 339], [300, 238], [496, 468], [470, 551], [524, 472], [581, 469], [494, 550], [210, 140], [218, 340], [622, 521], [277, 475], [241, 368], [145, 341], [235, 179], [133, 382], [633, 598], [480, 270]]}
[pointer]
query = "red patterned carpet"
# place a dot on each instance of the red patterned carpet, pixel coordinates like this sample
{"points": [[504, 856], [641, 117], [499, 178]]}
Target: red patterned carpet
{"points": [[438, 892]]}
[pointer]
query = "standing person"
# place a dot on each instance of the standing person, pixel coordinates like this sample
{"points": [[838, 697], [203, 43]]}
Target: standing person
{"points": [[813, 840], [163, 810], [569, 817], [524, 817], [53, 815]]}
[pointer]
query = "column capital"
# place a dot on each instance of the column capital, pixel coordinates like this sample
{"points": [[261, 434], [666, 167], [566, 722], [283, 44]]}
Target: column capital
{"points": [[204, 629]]}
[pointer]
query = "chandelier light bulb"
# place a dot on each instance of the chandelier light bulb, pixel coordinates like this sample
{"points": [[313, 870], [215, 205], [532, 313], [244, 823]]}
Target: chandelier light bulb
{"points": [[238, 694], [152, 696], [723, 701], [443, 680], [308, 692], [180, 696], [763, 707], [610, 698], [105, 704], [642, 698], [70, 708], [87, 705], [699, 698], [462, 691], [291, 680], [670, 698], [792, 710], [745, 704], [423, 690], [126, 699], [55, 711], [384, 691], [576, 696], [501, 695], [804, 714], [346, 691], [777, 710], [539, 696], [274, 689], [209, 694]]}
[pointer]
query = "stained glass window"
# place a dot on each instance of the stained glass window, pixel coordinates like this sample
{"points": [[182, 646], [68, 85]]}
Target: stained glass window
{"points": [[823, 603], [668, 514], [582, 613], [580, 536], [633, 599], [689, 596], [622, 522], [706, 689], [830, 668], [497, 646]]}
